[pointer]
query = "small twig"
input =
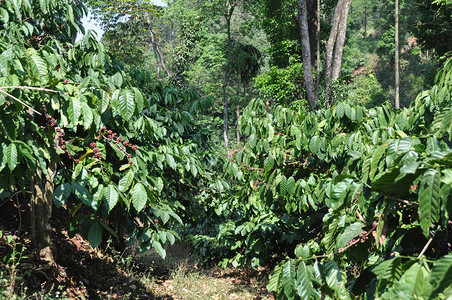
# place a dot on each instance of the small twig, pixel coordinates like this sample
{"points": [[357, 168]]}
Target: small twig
{"points": [[20, 101], [400, 200], [20, 214], [27, 88], [341, 250], [426, 246]]}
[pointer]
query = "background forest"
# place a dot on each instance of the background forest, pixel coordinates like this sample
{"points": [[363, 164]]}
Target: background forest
{"points": [[310, 138]]}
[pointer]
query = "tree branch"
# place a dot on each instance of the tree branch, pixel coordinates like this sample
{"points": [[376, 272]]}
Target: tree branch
{"points": [[20, 101]]}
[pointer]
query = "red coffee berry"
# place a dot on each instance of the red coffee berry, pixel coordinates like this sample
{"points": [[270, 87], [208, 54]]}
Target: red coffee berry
{"points": [[130, 162], [77, 161], [110, 132], [63, 147], [134, 147], [57, 129], [92, 145], [125, 143]]}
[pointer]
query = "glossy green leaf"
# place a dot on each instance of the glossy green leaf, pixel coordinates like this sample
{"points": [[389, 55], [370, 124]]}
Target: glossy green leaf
{"points": [[441, 276], [111, 197], [429, 199], [11, 156], [82, 193], [139, 197], [126, 181], [95, 235], [61, 194], [159, 249], [126, 104]]}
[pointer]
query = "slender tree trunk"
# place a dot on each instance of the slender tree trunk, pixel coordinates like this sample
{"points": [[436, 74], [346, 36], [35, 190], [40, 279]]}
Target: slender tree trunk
{"points": [[331, 40], [41, 211], [312, 26], [397, 61], [318, 51], [157, 61], [237, 113], [227, 77], [160, 61], [365, 20], [341, 33], [305, 48]]}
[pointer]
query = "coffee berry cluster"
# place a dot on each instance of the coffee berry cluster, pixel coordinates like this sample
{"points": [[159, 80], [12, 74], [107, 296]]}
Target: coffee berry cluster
{"points": [[58, 132], [113, 138], [103, 134]]}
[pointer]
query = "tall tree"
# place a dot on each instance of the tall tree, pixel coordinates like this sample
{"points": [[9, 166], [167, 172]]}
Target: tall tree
{"points": [[336, 39], [306, 53], [396, 56], [111, 13]]}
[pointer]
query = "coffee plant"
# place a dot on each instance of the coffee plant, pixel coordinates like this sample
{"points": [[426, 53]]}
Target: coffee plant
{"points": [[76, 128], [358, 200]]}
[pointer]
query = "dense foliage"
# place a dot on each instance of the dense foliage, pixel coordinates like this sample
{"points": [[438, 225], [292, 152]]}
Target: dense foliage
{"points": [[355, 197], [124, 160]]}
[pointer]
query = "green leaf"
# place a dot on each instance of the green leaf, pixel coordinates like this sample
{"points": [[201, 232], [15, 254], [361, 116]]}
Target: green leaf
{"points": [[274, 280], [61, 194], [429, 199], [126, 104], [170, 160], [74, 110], [38, 65], [287, 278], [409, 168], [291, 185], [411, 286], [303, 285], [340, 110], [139, 100], [159, 249], [269, 162], [314, 144], [87, 116], [125, 181], [447, 123], [441, 276], [376, 157], [95, 235], [111, 196], [139, 197], [82, 193], [352, 231], [252, 141], [11, 156], [390, 269], [103, 102]]}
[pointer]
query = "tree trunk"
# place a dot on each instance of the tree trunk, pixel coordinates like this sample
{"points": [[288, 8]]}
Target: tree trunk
{"points": [[160, 62], [331, 40], [318, 51], [305, 48], [157, 61], [365, 20], [341, 33], [397, 60], [227, 76], [237, 113], [41, 210], [312, 26]]}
